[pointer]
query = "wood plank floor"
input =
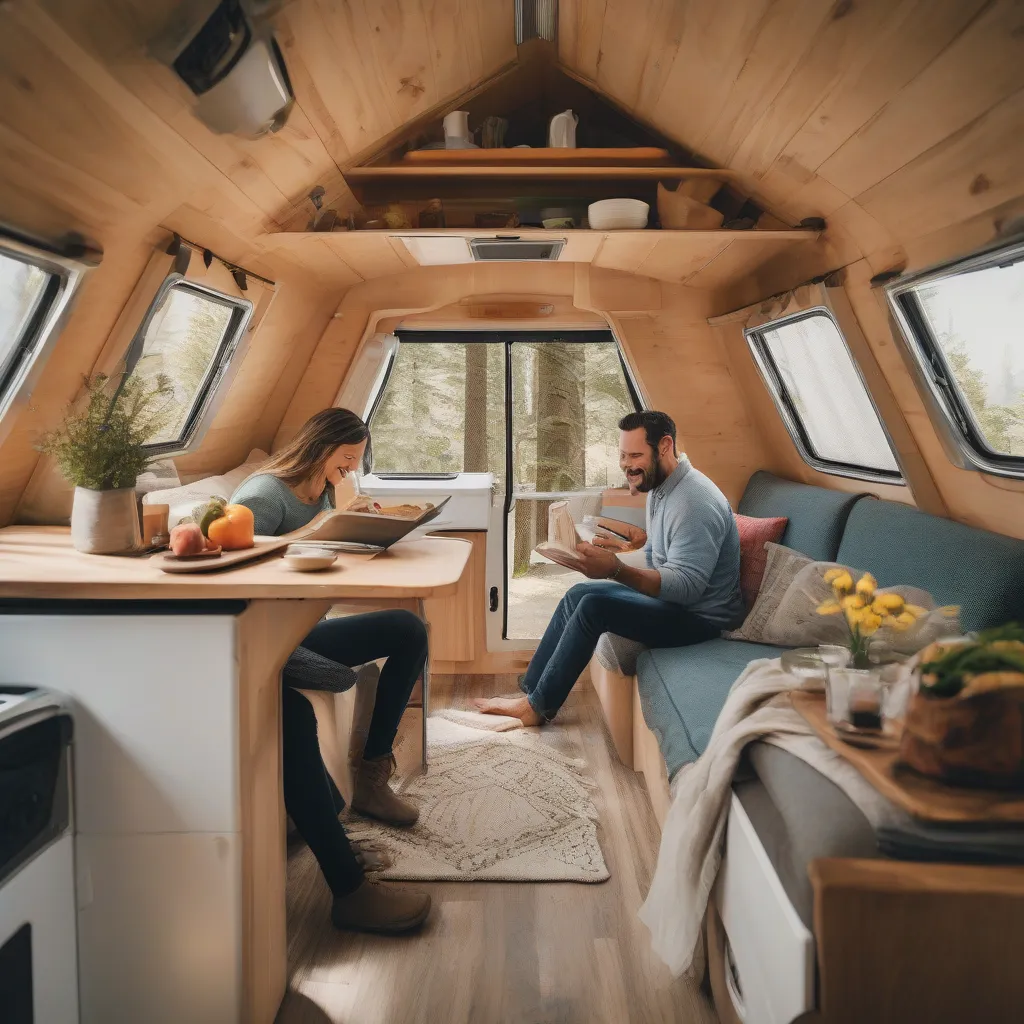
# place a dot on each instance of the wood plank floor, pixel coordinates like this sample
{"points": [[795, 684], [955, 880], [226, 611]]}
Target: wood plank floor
{"points": [[498, 953]]}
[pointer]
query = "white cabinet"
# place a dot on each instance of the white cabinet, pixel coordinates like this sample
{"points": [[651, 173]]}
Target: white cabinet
{"points": [[469, 508]]}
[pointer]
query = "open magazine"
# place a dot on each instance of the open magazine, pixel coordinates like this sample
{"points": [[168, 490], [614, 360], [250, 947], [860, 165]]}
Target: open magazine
{"points": [[564, 535]]}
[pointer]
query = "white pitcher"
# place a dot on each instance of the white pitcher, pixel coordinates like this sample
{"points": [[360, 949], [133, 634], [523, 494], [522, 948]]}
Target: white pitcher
{"points": [[456, 130], [562, 130]]}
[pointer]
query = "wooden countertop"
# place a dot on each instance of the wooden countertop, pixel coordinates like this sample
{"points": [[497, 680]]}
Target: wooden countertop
{"points": [[39, 562]]}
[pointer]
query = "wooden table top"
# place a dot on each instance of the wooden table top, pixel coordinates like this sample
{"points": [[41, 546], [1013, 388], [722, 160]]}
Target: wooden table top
{"points": [[39, 562]]}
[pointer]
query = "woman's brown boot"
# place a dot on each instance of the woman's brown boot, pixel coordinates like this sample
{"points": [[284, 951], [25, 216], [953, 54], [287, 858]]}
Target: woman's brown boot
{"points": [[378, 907], [373, 796]]}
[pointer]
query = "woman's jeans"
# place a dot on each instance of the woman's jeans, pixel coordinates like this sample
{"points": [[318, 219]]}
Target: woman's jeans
{"points": [[310, 796]]}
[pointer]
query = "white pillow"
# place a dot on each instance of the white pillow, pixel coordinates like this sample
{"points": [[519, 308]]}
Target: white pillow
{"points": [[184, 499]]}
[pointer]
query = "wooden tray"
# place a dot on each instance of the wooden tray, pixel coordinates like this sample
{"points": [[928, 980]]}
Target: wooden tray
{"points": [[226, 559], [920, 797], [333, 525]]}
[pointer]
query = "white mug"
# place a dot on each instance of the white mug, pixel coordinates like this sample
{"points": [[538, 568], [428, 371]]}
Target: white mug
{"points": [[562, 130], [456, 125]]}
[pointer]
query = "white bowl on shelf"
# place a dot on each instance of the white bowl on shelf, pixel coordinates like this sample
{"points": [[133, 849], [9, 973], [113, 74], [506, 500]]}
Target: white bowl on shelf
{"points": [[618, 215]]}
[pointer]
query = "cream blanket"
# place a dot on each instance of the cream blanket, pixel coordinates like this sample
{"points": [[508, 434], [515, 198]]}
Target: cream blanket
{"points": [[691, 843]]}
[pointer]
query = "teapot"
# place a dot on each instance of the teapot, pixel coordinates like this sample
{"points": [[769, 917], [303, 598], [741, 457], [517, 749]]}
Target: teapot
{"points": [[562, 130]]}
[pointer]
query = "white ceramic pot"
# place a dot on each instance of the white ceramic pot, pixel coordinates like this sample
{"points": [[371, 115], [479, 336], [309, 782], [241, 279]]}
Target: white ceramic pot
{"points": [[105, 522]]}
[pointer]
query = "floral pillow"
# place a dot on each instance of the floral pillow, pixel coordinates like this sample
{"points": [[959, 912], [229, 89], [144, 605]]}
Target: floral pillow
{"points": [[781, 567], [795, 619]]}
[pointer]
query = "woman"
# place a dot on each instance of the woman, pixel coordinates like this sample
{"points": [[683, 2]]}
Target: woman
{"points": [[290, 489]]}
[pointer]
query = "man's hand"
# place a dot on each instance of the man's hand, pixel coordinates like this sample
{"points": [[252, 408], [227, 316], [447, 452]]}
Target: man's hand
{"points": [[595, 562], [611, 544], [635, 538]]}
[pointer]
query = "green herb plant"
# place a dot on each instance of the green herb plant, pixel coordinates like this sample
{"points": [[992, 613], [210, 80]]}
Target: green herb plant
{"points": [[994, 650], [101, 442]]}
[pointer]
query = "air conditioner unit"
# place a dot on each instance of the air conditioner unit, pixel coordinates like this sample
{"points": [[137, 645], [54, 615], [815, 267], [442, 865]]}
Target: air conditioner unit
{"points": [[225, 52], [515, 249]]}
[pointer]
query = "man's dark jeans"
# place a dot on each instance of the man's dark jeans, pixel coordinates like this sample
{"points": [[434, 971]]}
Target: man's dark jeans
{"points": [[588, 610]]}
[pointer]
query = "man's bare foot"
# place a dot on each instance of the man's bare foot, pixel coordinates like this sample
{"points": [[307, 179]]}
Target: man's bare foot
{"points": [[511, 707]]}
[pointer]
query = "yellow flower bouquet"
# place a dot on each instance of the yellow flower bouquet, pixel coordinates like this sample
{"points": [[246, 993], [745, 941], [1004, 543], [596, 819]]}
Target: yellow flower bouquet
{"points": [[866, 611]]}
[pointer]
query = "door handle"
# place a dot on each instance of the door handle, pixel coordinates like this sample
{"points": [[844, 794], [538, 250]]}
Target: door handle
{"points": [[494, 599]]}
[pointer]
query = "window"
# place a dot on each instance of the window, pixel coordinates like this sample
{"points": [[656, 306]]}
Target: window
{"points": [[190, 334], [35, 291], [965, 327], [821, 397], [539, 411], [442, 409]]}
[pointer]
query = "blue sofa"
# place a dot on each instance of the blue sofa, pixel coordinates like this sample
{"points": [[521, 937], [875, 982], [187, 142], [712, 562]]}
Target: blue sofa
{"points": [[683, 689]]}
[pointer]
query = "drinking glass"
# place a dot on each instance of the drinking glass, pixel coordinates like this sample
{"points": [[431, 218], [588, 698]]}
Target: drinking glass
{"points": [[849, 688]]}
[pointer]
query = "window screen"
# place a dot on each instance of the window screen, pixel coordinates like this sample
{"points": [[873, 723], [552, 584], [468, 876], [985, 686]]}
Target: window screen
{"points": [[966, 328], [567, 400], [190, 335], [28, 291], [442, 410], [822, 398]]}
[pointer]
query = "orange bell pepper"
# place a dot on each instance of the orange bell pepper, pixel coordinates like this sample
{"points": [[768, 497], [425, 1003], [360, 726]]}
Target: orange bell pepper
{"points": [[234, 529]]}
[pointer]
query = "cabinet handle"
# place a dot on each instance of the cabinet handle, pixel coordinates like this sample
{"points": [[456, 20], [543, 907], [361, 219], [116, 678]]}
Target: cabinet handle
{"points": [[494, 599]]}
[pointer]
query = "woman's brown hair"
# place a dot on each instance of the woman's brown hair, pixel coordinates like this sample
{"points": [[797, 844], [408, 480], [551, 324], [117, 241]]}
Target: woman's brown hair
{"points": [[304, 456]]}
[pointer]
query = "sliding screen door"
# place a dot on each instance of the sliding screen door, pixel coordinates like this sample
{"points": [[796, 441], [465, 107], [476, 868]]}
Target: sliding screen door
{"points": [[567, 396]]}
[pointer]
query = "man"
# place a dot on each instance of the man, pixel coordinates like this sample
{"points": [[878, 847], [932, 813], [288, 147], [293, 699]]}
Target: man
{"points": [[689, 592]]}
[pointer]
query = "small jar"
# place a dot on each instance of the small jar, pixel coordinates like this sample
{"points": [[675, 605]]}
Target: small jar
{"points": [[433, 215]]}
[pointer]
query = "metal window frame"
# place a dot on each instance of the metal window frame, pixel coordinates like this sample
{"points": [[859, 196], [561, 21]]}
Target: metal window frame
{"points": [[223, 366], [949, 409], [507, 338], [20, 371], [789, 414]]}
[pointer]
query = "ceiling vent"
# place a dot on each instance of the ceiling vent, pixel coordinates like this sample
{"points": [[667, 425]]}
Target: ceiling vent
{"points": [[536, 19], [515, 249]]}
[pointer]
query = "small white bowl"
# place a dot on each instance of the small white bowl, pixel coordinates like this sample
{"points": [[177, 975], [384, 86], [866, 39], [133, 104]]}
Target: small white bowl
{"points": [[310, 559], [618, 214]]}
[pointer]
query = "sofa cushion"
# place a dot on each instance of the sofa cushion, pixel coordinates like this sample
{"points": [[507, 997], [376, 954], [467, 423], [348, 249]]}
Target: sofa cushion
{"points": [[618, 654], [683, 689], [754, 534], [817, 517], [981, 572]]}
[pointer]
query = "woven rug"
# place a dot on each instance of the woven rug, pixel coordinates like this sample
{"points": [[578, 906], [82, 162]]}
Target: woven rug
{"points": [[496, 805]]}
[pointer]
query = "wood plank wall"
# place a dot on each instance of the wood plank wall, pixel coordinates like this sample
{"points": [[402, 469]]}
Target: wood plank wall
{"points": [[892, 120], [97, 137], [663, 329]]}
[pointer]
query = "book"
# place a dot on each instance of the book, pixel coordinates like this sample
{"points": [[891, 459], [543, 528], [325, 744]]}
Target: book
{"points": [[381, 527], [563, 536]]}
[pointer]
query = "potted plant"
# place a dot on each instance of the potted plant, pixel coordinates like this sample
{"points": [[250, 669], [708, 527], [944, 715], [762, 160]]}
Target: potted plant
{"points": [[965, 723], [100, 449]]}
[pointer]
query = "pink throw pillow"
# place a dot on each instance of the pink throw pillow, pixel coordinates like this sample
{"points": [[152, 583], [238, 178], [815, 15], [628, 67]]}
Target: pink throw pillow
{"points": [[754, 534]]}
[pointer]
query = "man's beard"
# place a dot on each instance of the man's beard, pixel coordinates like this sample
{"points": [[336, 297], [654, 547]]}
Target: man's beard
{"points": [[650, 477]]}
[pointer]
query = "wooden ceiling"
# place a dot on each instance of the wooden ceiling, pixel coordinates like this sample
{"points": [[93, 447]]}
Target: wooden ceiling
{"points": [[95, 134], [891, 118]]}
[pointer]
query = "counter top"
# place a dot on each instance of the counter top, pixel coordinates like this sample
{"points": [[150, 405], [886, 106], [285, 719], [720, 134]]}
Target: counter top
{"points": [[39, 562]]}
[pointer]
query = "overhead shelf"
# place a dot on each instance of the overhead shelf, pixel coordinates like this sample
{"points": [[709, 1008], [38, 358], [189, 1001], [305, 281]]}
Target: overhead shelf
{"points": [[636, 156], [374, 185], [700, 259]]}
